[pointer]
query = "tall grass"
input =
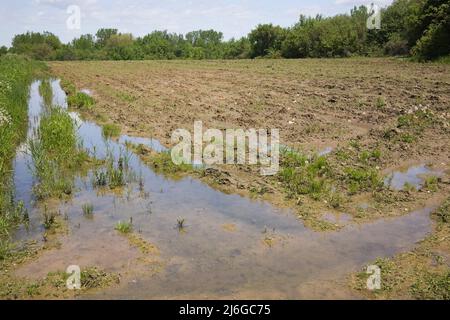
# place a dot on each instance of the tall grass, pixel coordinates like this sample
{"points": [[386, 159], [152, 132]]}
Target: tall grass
{"points": [[16, 74], [45, 90], [56, 154], [115, 173]]}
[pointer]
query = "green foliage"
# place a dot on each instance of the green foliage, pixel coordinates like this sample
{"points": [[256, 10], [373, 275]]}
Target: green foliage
{"points": [[443, 213], [114, 174], [380, 103], [420, 27], [15, 76], [45, 90], [432, 287], [162, 162], [88, 209], [68, 87], [80, 100], [362, 179], [3, 50], [110, 130], [124, 227], [303, 176], [103, 35], [266, 38], [433, 26], [40, 46], [56, 154]]}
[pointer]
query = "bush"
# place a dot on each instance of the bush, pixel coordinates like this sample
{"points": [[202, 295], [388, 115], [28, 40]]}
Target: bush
{"points": [[396, 46]]}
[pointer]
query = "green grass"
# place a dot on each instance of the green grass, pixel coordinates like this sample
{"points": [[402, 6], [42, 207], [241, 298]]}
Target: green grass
{"points": [[80, 100], [432, 286], [362, 179], [431, 184], [303, 176], [68, 87], [49, 219], [114, 174], [443, 213], [54, 284], [126, 97], [88, 209], [380, 103], [57, 155], [162, 163], [110, 130], [124, 227], [16, 74], [45, 90]]}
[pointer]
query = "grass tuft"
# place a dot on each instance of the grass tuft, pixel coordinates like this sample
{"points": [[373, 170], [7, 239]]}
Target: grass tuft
{"points": [[124, 227], [110, 130], [80, 100]]}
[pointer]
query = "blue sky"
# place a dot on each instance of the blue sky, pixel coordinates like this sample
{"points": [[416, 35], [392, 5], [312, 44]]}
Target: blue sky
{"points": [[233, 18]]}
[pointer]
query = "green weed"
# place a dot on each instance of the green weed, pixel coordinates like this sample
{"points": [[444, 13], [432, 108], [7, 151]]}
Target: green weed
{"points": [[88, 209], [68, 87], [380, 103], [56, 154], [80, 100], [303, 176], [362, 179], [431, 183], [124, 227], [110, 130], [16, 74], [45, 90]]}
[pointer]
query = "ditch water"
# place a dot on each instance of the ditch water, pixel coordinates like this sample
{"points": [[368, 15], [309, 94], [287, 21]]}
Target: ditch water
{"points": [[231, 246]]}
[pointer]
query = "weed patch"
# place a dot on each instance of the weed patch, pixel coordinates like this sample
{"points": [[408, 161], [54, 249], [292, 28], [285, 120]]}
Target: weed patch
{"points": [[80, 100], [110, 130], [57, 154], [16, 74], [124, 227]]}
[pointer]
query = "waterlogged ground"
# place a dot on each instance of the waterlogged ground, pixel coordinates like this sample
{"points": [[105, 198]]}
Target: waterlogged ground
{"points": [[228, 247]]}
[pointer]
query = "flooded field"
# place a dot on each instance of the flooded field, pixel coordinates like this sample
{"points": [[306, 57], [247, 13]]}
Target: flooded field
{"points": [[207, 244]]}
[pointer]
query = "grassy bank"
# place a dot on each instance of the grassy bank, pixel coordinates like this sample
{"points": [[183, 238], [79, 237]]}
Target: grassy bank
{"points": [[16, 74]]}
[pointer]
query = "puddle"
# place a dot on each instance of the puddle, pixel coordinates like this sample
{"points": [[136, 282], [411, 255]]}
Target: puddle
{"points": [[413, 176], [337, 218], [206, 260]]}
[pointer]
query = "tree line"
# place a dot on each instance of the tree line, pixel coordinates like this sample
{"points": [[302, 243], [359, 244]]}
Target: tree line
{"points": [[418, 28]]}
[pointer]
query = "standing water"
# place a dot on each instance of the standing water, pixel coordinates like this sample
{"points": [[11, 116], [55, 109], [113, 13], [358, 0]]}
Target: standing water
{"points": [[230, 246]]}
